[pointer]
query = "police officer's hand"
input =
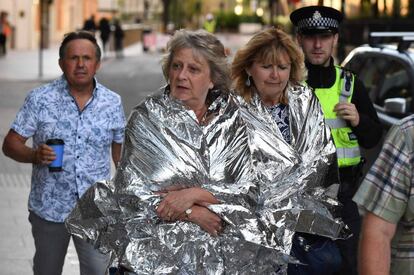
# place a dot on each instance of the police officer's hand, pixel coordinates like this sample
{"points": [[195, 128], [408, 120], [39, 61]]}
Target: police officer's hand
{"points": [[347, 111], [43, 155]]}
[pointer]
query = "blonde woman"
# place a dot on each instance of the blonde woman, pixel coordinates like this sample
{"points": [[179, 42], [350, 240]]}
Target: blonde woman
{"points": [[268, 72]]}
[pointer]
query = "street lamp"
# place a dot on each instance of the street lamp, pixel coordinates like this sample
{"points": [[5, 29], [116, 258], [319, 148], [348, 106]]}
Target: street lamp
{"points": [[41, 36], [43, 20]]}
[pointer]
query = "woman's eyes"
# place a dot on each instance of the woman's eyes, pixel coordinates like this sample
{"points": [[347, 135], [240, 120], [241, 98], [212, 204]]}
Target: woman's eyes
{"points": [[267, 66], [176, 66], [280, 67], [192, 69]]}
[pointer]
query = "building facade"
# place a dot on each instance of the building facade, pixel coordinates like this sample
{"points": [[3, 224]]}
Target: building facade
{"points": [[60, 17]]}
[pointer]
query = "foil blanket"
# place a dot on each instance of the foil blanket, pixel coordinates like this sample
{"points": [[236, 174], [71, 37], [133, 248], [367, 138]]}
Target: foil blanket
{"points": [[268, 188]]}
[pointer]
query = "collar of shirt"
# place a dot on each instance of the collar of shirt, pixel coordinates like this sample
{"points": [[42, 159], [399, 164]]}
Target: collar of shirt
{"points": [[320, 76], [96, 86]]}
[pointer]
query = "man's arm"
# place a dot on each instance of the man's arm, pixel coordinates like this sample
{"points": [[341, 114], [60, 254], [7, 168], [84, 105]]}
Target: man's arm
{"points": [[116, 153], [375, 245], [14, 146]]}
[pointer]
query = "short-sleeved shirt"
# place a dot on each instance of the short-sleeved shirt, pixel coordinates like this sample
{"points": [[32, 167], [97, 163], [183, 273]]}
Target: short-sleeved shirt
{"points": [[51, 112], [388, 192]]}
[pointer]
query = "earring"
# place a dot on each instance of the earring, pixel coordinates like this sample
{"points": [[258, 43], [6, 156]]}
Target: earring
{"points": [[248, 82]]}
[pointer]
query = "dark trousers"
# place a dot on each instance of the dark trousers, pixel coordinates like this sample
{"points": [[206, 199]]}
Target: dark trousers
{"points": [[319, 255], [51, 243], [350, 178], [119, 48], [3, 40]]}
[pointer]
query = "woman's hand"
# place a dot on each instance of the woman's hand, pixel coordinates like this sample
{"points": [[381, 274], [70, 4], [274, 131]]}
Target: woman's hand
{"points": [[174, 203], [207, 220]]}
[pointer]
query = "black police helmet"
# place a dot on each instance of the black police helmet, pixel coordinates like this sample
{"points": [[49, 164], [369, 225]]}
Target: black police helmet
{"points": [[316, 19]]}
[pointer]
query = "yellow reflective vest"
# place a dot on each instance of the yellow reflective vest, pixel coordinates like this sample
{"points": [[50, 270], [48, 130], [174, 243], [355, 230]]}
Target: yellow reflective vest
{"points": [[346, 142], [210, 26]]}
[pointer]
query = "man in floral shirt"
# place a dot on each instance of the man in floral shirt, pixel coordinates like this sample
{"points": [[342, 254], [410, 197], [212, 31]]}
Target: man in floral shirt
{"points": [[89, 118]]}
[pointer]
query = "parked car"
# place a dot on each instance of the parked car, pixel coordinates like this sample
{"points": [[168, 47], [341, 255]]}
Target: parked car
{"points": [[387, 70], [386, 66]]}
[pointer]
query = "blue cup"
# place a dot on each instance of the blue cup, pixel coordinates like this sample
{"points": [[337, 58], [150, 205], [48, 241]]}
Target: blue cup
{"points": [[57, 145]]}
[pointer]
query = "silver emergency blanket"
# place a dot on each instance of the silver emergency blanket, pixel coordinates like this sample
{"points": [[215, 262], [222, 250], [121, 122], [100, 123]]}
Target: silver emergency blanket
{"points": [[268, 188]]}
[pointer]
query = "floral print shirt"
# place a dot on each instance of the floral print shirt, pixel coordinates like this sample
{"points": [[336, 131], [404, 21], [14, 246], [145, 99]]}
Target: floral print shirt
{"points": [[51, 112], [280, 114]]}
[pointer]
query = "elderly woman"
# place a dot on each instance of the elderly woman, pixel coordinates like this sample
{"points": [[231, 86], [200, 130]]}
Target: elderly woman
{"points": [[268, 73], [184, 199]]}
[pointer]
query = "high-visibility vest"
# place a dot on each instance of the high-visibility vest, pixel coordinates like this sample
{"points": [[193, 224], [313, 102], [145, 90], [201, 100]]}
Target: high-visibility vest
{"points": [[210, 26], [346, 142]]}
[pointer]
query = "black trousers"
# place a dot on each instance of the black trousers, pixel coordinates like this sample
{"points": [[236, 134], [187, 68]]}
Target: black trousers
{"points": [[3, 40], [350, 178]]}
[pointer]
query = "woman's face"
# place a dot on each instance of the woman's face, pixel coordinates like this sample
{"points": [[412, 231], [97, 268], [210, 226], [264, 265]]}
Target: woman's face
{"points": [[271, 79], [190, 80]]}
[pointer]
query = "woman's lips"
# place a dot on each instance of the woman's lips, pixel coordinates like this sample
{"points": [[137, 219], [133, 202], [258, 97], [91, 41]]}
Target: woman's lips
{"points": [[182, 87]]}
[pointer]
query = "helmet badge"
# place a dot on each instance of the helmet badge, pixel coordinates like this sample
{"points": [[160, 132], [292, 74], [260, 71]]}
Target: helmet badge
{"points": [[316, 15]]}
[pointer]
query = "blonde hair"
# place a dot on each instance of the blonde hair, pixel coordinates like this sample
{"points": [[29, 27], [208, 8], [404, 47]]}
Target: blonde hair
{"points": [[266, 46], [208, 46]]}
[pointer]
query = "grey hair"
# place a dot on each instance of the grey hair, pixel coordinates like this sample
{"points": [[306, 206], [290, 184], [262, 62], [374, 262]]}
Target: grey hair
{"points": [[208, 46]]}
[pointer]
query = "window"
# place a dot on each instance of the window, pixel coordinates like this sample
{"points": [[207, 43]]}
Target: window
{"points": [[395, 84], [383, 76], [370, 70]]}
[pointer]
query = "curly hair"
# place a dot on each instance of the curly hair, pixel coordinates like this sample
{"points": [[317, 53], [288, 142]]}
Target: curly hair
{"points": [[266, 46], [208, 46]]}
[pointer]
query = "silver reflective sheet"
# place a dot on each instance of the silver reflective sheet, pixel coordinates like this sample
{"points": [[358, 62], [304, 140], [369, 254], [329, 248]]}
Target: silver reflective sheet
{"points": [[269, 189]]}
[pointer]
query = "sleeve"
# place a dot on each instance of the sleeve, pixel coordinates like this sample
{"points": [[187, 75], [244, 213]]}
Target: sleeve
{"points": [[119, 123], [386, 188], [25, 123], [369, 130]]}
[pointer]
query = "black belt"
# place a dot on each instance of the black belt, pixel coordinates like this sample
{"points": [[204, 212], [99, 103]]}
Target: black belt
{"points": [[351, 172]]}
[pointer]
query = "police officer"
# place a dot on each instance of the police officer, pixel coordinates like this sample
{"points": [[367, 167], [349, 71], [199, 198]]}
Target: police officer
{"points": [[347, 108], [210, 23]]}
